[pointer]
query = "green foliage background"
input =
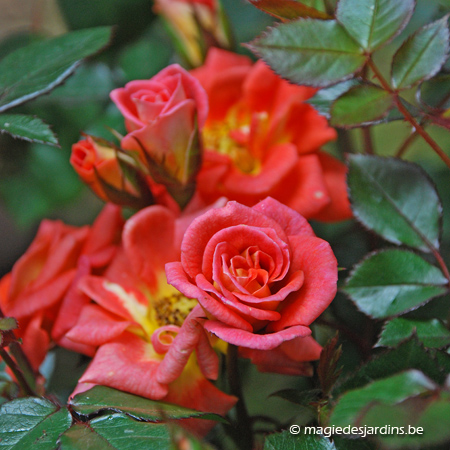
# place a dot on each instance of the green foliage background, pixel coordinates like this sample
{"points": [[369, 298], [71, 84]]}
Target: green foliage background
{"points": [[36, 181]]}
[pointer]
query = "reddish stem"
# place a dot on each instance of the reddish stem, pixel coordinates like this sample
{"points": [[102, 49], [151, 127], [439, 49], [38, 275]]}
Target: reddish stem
{"points": [[416, 125]]}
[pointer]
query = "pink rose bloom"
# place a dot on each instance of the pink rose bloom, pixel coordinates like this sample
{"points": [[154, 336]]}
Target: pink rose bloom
{"points": [[135, 318], [162, 117], [262, 277]]}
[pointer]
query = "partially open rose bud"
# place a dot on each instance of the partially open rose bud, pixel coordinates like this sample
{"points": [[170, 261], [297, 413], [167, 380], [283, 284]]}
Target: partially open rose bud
{"points": [[195, 25], [163, 117], [100, 165]]}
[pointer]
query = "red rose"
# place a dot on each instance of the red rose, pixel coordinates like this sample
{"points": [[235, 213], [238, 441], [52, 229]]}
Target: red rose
{"points": [[260, 274], [261, 139]]}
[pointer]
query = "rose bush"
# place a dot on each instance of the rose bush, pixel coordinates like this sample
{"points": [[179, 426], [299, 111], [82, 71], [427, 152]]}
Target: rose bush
{"points": [[261, 139], [262, 277]]}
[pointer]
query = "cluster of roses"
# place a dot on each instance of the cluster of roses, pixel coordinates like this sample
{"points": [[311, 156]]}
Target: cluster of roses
{"points": [[154, 299]]}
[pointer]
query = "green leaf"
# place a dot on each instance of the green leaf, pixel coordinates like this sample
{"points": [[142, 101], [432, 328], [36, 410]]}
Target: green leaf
{"points": [[310, 52], [352, 444], [373, 22], [432, 333], [35, 423], [430, 417], [116, 432], [288, 9], [38, 68], [90, 83], [82, 437], [324, 98], [422, 55], [360, 105], [303, 398], [435, 93], [387, 391], [396, 199], [28, 128], [287, 441], [392, 282], [408, 355], [101, 398]]}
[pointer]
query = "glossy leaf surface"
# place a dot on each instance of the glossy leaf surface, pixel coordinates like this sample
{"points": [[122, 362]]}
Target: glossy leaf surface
{"points": [[422, 55], [392, 282], [39, 67], [396, 199], [373, 22], [310, 52], [29, 128]]}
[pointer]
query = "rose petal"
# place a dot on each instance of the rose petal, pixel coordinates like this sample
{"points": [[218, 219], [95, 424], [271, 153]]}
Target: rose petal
{"points": [[148, 252], [257, 341], [292, 222], [187, 340], [129, 304], [204, 227], [316, 259], [304, 190], [128, 364], [241, 237], [335, 174], [96, 327], [228, 307], [177, 277], [276, 166]]}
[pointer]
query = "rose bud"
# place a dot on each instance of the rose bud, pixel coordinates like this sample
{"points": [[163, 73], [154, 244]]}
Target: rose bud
{"points": [[163, 117], [195, 25], [100, 165]]}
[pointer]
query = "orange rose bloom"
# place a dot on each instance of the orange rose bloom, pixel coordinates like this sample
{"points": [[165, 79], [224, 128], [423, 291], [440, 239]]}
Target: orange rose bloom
{"points": [[261, 139]]}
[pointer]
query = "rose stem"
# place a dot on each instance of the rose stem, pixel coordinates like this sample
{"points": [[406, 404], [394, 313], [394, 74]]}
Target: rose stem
{"points": [[22, 363], [243, 425], [368, 144], [17, 372], [412, 137], [344, 141], [416, 125], [328, 7], [366, 131], [363, 346], [406, 143]]}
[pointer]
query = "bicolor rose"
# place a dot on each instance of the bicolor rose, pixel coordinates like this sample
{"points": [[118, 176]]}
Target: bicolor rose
{"points": [[262, 139], [97, 163], [163, 116], [261, 276], [136, 318]]}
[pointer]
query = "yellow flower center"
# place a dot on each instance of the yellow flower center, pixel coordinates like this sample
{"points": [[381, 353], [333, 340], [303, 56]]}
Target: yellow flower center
{"points": [[168, 306], [232, 136]]}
